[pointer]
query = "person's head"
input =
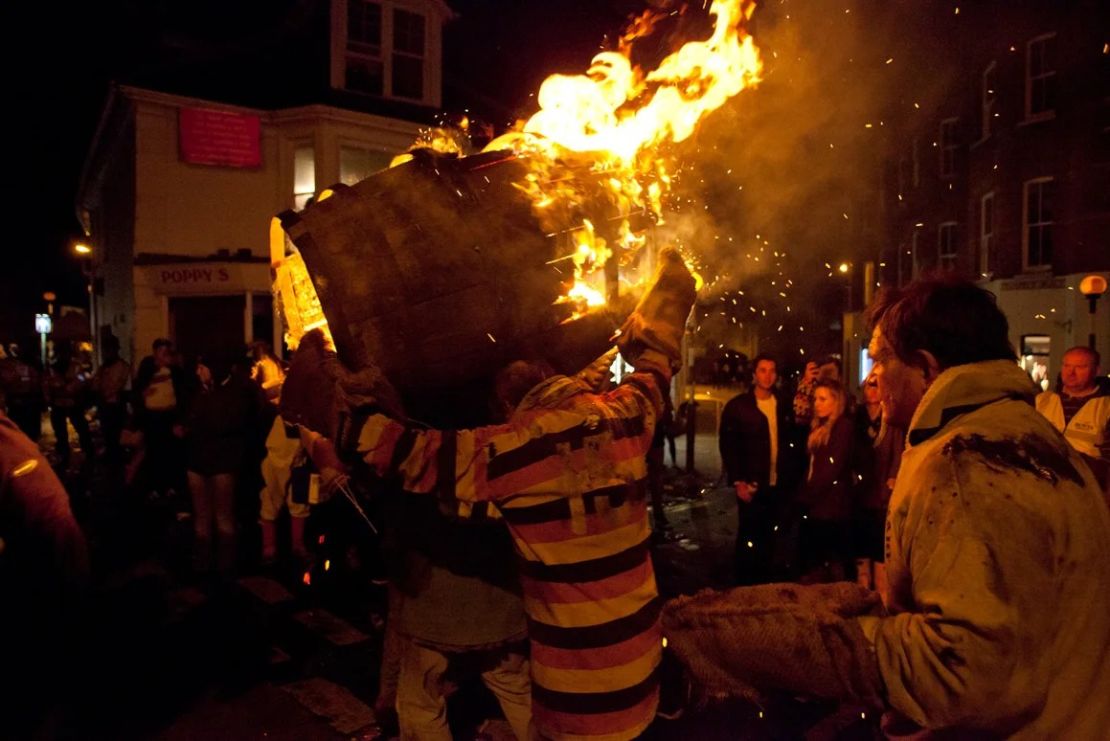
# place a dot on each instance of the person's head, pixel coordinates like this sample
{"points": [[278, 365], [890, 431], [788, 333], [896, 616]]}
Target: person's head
{"points": [[828, 400], [110, 347], [829, 368], [871, 390], [927, 327], [1079, 370], [162, 351], [764, 373], [259, 349], [512, 384]]}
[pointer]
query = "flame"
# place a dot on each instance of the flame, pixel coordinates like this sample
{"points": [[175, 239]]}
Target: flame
{"points": [[613, 122]]}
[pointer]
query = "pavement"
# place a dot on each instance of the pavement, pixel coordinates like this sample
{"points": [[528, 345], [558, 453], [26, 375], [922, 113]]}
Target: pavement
{"points": [[266, 656]]}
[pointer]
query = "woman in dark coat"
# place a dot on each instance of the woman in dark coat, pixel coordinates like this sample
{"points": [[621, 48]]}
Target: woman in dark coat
{"points": [[826, 495], [221, 422]]}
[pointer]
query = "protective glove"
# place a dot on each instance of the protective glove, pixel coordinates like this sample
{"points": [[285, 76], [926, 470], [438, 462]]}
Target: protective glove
{"points": [[651, 337], [751, 641]]}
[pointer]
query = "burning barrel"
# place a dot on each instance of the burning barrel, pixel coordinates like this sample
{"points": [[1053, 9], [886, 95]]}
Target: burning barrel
{"points": [[437, 272]]}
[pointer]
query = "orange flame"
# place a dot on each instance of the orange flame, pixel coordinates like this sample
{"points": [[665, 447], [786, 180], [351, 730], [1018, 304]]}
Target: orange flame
{"points": [[613, 120]]}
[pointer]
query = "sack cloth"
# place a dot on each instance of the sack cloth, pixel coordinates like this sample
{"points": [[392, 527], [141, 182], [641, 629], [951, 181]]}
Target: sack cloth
{"points": [[802, 639]]}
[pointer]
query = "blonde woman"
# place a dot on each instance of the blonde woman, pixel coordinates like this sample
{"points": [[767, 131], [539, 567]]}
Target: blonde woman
{"points": [[827, 492]]}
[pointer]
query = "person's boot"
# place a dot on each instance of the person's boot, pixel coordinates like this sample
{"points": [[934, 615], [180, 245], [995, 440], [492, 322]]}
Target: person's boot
{"points": [[269, 541], [296, 534]]}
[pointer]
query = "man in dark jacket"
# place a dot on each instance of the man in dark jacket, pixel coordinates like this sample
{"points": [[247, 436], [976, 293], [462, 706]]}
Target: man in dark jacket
{"points": [[763, 459]]}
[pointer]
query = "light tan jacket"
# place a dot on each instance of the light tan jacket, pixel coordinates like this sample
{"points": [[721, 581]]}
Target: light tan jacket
{"points": [[998, 555]]}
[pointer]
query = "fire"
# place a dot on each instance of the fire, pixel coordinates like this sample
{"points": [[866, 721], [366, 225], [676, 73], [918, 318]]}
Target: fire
{"points": [[613, 123]]}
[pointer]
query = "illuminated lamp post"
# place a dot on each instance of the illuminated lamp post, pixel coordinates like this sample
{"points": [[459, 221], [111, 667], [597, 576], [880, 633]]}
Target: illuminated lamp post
{"points": [[84, 252], [1092, 286]]}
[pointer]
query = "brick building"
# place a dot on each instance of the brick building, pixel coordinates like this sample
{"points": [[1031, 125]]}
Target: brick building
{"points": [[1000, 164]]}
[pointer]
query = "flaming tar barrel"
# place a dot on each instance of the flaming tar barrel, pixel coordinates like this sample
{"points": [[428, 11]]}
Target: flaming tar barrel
{"points": [[437, 272]]}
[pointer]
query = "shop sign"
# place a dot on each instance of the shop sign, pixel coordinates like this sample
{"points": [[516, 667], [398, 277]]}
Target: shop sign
{"points": [[221, 138]]}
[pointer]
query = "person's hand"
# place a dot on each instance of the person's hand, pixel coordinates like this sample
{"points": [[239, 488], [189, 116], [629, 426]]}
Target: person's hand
{"points": [[745, 492], [322, 452], [652, 334], [810, 374]]}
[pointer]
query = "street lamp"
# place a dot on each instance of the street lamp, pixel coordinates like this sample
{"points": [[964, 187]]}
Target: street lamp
{"points": [[84, 252], [1092, 286]]}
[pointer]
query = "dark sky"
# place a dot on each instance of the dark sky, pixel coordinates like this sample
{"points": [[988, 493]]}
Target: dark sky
{"points": [[497, 50]]}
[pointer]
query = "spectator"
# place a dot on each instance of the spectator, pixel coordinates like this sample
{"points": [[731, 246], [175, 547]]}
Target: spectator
{"points": [[871, 486], [161, 391], [22, 391], [267, 371], [219, 424], [1081, 410], [826, 494], [65, 390], [762, 462], [283, 448], [110, 383], [43, 576]]}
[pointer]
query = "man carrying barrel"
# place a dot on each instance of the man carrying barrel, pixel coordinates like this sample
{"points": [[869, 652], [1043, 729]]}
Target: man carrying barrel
{"points": [[567, 473]]}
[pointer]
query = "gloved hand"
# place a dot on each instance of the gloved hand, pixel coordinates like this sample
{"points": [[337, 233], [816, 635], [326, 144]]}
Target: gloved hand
{"points": [[751, 641], [652, 335]]}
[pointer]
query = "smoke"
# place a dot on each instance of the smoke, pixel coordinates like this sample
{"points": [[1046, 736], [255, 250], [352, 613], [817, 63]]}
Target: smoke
{"points": [[784, 183]]}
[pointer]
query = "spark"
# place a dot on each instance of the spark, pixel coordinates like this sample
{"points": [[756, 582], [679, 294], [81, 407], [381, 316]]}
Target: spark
{"points": [[491, 337]]}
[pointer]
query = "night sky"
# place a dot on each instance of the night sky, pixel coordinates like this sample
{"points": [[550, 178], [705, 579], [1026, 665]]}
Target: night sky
{"points": [[497, 52]]}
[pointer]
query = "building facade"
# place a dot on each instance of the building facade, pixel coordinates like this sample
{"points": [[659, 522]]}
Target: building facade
{"points": [[179, 190], [1000, 166]]}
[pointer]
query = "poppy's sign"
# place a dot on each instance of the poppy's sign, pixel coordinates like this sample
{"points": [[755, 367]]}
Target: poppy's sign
{"points": [[222, 138], [212, 278]]}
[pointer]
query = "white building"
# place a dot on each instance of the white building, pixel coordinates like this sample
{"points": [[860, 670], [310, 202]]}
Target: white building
{"points": [[178, 191]]}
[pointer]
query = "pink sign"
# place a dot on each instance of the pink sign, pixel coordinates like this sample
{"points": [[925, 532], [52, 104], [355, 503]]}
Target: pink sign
{"points": [[210, 137]]}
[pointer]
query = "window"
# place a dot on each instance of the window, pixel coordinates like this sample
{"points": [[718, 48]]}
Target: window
{"points": [[946, 245], [948, 147], [358, 163], [916, 163], [1037, 221], [988, 98], [408, 54], [986, 232], [304, 176], [1040, 77], [381, 49], [364, 69]]}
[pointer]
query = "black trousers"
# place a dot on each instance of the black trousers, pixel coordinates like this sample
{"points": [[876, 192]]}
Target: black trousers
{"points": [[755, 538]]}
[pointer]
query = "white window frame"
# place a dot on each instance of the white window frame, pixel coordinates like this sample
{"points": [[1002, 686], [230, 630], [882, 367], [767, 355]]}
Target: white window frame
{"points": [[1026, 225], [948, 147], [987, 99], [986, 233], [946, 260], [431, 58], [1049, 113]]}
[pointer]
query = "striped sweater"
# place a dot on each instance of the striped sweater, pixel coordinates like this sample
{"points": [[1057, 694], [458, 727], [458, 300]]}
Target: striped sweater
{"points": [[567, 474]]}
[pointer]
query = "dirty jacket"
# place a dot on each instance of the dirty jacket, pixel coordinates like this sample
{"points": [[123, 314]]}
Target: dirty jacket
{"points": [[567, 473], [998, 556]]}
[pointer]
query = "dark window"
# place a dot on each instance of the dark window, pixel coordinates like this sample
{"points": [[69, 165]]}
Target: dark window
{"points": [[364, 75], [408, 55], [1039, 218], [1040, 76], [408, 33], [364, 27]]}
